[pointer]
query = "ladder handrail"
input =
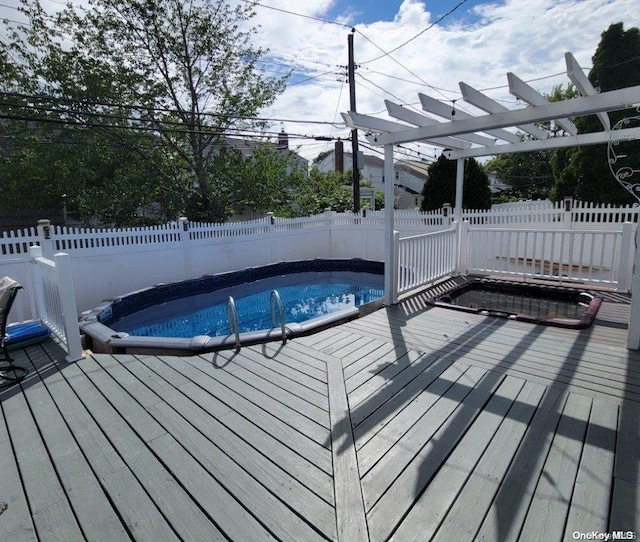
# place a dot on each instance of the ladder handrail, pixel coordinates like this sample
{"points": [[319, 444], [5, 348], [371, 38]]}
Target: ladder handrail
{"points": [[232, 315], [274, 301]]}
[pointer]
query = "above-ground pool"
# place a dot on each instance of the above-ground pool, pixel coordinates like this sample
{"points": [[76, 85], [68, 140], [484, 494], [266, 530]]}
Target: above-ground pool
{"points": [[540, 304], [197, 315]]}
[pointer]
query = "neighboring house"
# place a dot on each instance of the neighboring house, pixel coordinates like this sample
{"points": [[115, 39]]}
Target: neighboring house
{"points": [[494, 184], [408, 182]]}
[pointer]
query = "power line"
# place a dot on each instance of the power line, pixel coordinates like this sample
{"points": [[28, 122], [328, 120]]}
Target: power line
{"points": [[49, 98], [230, 132], [296, 14]]}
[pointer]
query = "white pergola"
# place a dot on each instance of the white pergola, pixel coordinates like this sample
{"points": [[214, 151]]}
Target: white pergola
{"points": [[462, 135]]}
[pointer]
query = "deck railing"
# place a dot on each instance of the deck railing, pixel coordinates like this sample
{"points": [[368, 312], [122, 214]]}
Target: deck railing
{"points": [[423, 259], [55, 300], [589, 256]]}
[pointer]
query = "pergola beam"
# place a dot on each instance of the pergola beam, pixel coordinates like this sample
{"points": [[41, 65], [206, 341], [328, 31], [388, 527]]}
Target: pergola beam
{"points": [[366, 122], [417, 119], [580, 140], [528, 94], [607, 101], [441, 110]]}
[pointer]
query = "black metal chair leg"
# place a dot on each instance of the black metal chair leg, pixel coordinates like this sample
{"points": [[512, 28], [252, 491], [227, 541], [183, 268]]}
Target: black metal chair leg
{"points": [[9, 373]]}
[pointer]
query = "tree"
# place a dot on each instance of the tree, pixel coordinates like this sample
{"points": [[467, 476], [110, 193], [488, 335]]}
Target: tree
{"points": [[528, 174], [440, 187], [317, 192], [183, 71], [584, 172], [531, 175]]}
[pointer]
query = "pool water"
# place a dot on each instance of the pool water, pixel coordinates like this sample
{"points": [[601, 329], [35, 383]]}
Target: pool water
{"points": [[304, 296]]}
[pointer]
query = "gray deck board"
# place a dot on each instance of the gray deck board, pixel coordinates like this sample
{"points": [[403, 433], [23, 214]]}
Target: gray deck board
{"points": [[546, 516], [257, 427], [508, 510], [430, 508], [243, 392], [188, 419], [411, 423], [372, 417], [429, 454], [17, 522], [287, 370], [90, 505], [491, 345], [350, 513], [625, 515], [131, 430], [466, 513], [589, 510], [130, 500], [52, 514], [303, 416]]}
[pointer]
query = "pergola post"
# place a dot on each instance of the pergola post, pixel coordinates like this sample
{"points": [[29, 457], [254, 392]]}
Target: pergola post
{"points": [[457, 213], [390, 284]]}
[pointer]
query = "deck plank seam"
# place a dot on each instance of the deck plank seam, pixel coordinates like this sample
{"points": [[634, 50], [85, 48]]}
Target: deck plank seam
{"points": [[17, 467], [524, 447], [99, 479], [47, 449], [260, 400], [350, 509], [168, 468]]}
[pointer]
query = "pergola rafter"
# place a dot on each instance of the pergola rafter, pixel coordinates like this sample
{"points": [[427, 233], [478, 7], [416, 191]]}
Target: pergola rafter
{"points": [[462, 135]]}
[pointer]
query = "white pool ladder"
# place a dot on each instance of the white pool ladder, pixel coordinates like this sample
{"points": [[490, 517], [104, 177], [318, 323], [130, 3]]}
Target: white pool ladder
{"points": [[276, 305]]}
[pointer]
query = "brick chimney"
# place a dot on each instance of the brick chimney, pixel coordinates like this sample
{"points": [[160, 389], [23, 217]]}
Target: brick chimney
{"points": [[283, 140]]}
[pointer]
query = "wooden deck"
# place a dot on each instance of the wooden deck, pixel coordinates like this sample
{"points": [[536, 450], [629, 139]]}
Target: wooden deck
{"points": [[412, 423]]}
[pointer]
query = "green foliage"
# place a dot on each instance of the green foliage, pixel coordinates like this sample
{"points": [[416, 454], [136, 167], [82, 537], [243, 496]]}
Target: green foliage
{"points": [[440, 186], [318, 191], [164, 79], [530, 175]]}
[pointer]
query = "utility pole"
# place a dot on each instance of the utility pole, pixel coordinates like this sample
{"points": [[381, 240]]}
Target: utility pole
{"points": [[354, 133]]}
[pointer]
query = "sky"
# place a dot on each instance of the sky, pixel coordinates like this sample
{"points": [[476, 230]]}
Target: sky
{"points": [[402, 48]]}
